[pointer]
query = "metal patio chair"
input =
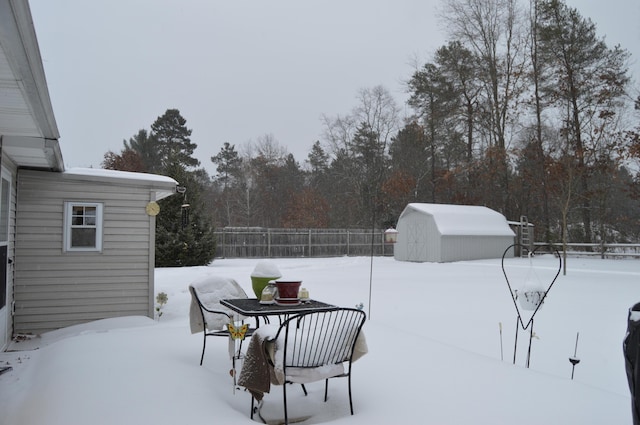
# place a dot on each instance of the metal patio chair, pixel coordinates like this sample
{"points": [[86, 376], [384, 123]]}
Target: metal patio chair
{"points": [[306, 345], [212, 319]]}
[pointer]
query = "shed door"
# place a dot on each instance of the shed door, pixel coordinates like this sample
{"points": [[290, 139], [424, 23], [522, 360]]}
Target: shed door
{"points": [[417, 240], [5, 307]]}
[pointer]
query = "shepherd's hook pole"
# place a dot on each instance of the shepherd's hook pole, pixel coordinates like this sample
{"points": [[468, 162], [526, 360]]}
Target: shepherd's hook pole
{"points": [[501, 351], [574, 360]]}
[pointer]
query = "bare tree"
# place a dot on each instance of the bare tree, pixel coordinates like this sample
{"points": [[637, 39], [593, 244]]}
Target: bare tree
{"points": [[492, 30], [586, 82], [359, 143]]}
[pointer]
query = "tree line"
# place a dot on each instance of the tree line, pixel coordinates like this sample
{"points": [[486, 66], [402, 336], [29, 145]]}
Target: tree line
{"points": [[525, 110]]}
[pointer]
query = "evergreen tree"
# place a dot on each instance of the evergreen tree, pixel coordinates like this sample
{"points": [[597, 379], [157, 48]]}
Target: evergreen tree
{"points": [[411, 159], [228, 164], [229, 177], [173, 141], [147, 150], [184, 229], [184, 232]]}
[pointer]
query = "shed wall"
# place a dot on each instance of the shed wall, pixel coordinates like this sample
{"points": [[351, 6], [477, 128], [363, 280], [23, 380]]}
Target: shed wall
{"points": [[465, 236], [469, 247], [55, 289], [418, 238]]}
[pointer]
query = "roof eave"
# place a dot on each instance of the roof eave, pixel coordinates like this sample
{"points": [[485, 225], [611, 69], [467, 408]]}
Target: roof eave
{"points": [[18, 43]]}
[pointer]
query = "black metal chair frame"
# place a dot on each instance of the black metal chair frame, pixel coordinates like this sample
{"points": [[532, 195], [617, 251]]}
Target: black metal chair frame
{"points": [[221, 332], [317, 339]]}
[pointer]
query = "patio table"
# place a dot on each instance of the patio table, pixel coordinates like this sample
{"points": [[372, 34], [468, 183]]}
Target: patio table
{"points": [[251, 307]]}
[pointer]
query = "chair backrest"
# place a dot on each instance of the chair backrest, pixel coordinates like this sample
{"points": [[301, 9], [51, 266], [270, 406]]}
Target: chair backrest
{"points": [[321, 338], [207, 292]]}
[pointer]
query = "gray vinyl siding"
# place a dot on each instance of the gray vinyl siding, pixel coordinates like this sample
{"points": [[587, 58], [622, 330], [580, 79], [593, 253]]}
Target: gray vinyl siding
{"points": [[54, 288], [11, 168]]}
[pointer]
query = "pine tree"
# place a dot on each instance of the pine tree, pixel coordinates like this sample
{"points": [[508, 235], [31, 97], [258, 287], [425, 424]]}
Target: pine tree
{"points": [[184, 232], [173, 141], [146, 148]]}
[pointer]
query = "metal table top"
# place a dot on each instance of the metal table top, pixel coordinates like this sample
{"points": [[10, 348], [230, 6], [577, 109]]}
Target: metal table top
{"points": [[252, 307]]}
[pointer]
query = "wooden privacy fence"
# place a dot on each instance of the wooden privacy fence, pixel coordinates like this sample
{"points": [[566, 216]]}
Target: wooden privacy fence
{"points": [[261, 242]]}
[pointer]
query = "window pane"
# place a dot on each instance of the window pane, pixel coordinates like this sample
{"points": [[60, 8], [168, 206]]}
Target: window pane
{"points": [[83, 226], [83, 237]]}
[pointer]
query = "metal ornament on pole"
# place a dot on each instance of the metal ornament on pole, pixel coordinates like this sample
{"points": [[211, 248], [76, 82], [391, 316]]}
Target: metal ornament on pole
{"points": [[184, 208], [574, 360], [540, 301]]}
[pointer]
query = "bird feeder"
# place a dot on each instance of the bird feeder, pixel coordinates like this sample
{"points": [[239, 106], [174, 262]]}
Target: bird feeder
{"points": [[390, 235]]}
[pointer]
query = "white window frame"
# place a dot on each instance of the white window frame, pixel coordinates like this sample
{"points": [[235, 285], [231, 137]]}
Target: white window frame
{"points": [[69, 226]]}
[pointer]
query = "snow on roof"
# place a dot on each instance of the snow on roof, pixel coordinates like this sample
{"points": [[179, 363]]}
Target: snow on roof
{"points": [[114, 174], [163, 186], [463, 219]]}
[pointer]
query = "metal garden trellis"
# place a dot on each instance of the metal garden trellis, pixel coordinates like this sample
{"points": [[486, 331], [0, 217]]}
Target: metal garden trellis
{"points": [[539, 301]]}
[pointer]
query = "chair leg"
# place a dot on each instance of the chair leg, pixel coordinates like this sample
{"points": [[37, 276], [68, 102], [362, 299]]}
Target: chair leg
{"points": [[252, 405], [326, 389], [204, 346], [286, 416], [350, 400]]}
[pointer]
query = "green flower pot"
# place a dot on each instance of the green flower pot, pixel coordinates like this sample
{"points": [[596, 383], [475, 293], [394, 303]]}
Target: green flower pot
{"points": [[259, 283]]}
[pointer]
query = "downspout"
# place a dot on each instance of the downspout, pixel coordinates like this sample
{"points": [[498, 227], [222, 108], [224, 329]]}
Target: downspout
{"points": [[152, 257]]}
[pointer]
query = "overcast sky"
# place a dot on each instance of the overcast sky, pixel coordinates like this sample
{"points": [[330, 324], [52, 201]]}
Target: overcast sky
{"points": [[240, 70]]}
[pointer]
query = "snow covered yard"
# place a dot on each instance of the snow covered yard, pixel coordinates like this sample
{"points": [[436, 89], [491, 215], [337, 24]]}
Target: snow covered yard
{"points": [[434, 351]]}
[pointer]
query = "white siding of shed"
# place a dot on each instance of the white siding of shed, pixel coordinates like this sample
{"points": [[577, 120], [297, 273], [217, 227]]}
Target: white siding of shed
{"points": [[443, 233], [461, 248], [417, 238], [55, 289]]}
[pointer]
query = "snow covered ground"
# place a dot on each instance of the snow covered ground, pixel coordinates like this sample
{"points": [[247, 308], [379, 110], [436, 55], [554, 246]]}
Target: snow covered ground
{"points": [[436, 354]]}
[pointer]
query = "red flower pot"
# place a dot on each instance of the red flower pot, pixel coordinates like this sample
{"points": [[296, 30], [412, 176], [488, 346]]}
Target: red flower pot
{"points": [[288, 289]]}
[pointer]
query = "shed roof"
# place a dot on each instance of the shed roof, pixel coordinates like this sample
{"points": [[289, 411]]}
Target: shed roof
{"points": [[463, 219]]}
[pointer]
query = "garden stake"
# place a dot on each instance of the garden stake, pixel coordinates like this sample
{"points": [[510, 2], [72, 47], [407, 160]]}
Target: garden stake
{"points": [[574, 360], [501, 353], [530, 338], [515, 343]]}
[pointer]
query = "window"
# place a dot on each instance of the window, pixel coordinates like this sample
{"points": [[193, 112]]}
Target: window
{"points": [[83, 226]]}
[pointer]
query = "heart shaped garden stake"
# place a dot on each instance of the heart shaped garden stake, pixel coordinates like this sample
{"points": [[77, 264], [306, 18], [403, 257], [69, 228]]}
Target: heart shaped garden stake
{"points": [[532, 294]]}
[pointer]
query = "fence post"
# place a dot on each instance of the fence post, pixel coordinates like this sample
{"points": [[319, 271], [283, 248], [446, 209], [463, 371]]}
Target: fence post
{"points": [[224, 244], [309, 250]]}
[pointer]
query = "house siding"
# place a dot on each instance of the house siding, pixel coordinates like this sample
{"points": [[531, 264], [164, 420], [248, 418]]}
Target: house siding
{"points": [[6, 321], [54, 288]]}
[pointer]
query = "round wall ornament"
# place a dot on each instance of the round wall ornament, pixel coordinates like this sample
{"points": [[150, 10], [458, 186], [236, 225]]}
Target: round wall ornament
{"points": [[152, 208]]}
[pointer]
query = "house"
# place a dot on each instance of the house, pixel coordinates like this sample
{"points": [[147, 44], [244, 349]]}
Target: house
{"points": [[75, 245], [444, 233]]}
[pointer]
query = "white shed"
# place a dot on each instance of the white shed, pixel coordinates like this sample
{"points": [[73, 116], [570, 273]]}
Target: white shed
{"points": [[443, 233]]}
